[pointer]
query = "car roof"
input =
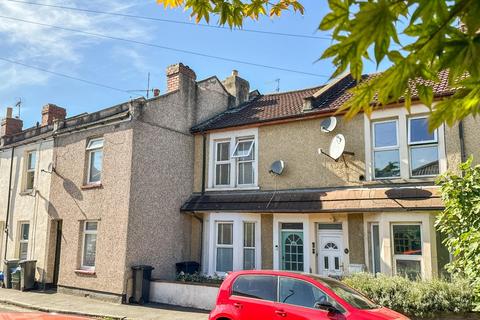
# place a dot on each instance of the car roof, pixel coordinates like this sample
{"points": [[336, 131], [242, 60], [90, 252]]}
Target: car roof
{"points": [[298, 275]]}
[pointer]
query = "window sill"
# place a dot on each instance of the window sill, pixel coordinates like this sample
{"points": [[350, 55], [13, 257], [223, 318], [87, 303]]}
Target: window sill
{"points": [[232, 189], [27, 193], [91, 186], [85, 272]]}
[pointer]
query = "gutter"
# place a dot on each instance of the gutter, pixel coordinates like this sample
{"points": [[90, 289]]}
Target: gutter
{"points": [[461, 135], [8, 204]]}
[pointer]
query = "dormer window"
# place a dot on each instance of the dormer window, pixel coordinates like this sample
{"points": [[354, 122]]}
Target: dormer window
{"points": [[233, 160]]}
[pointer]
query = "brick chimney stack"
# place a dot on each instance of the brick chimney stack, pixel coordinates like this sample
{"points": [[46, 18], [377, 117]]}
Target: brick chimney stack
{"points": [[179, 76], [237, 87], [10, 126], [52, 112]]}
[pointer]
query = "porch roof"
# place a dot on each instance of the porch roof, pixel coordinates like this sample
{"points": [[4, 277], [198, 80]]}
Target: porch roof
{"points": [[344, 200]]}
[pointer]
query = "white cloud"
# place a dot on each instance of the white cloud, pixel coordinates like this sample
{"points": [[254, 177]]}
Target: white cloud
{"points": [[54, 49]]}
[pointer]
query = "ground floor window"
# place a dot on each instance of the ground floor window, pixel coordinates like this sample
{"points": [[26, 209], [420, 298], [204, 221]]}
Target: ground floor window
{"points": [[89, 246], [23, 240], [236, 243], [407, 250]]}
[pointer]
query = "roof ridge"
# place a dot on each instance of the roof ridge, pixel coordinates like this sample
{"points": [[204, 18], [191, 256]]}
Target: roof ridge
{"points": [[293, 91]]}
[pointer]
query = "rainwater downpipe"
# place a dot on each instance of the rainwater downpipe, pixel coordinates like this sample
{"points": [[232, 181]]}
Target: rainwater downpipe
{"points": [[461, 134], [8, 204], [204, 161]]}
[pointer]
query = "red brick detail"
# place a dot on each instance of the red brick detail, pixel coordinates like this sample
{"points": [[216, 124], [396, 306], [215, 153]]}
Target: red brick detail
{"points": [[10, 126], [175, 73], [52, 112]]}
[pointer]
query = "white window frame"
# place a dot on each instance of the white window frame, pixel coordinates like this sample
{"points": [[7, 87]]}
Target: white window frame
{"points": [[402, 115], [233, 137], [221, 162], [209, 259], [239, 161], [28, 170], [388, 148], [85, 232], [90, 151], [372, 254], [22, 241], [254, 248], [396, 257], [223, 246], [420, 144]]}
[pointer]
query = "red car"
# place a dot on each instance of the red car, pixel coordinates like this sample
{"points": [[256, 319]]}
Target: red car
{"points": [[275, 295]]}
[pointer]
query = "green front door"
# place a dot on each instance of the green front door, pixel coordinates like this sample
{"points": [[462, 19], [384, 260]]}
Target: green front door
{"points": [[292, 250]]}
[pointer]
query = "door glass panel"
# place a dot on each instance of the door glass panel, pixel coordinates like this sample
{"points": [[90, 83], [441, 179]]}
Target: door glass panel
{"points": [[376, 248], [293, 251], [337, 263], [292, 226], [325, 263], [258, 287]]}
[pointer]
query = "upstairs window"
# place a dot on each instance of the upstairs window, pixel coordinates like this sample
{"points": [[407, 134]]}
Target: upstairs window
{"points": [[423, 148], [95, 159], [222, 163], [386, 155], [233, 159], [30, 170], [245, 155]]}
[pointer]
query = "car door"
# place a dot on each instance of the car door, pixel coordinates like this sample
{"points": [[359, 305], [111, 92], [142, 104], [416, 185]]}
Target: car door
{"points": [[253, 297], [297, 299]]}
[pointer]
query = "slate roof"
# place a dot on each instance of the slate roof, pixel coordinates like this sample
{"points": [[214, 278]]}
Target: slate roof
{"points": [[350, 200], [279, 106]]}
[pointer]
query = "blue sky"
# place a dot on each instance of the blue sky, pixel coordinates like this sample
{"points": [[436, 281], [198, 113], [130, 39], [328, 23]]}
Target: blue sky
{"points": [[125, 65]]}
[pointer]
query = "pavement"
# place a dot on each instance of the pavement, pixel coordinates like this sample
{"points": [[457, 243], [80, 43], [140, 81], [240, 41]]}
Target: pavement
{"points": [[50, 301]]}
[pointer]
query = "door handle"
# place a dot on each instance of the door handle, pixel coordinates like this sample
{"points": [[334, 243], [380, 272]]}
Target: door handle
{"points": [[281, 313], [237, 305]]}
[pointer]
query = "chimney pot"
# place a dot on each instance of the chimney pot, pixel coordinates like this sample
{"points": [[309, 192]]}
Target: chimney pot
{"points": [[234, 72], [179, 76], [9, 112], [51, 112]]}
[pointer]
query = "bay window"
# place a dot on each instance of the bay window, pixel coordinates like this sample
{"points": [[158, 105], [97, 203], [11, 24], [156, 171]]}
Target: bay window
{"points": [[423, 148], [386, 153], [232, 244], [407, 250]]}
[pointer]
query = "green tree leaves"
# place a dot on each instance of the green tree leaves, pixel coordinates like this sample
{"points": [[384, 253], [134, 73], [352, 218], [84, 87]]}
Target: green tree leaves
{"points": [[460, 222]]}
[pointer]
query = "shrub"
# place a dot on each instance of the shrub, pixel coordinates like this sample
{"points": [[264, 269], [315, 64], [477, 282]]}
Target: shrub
{"points": [[198, 278], [415, 298]]}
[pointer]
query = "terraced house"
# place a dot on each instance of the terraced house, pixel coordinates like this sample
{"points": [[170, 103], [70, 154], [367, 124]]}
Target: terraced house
{"points": [[275, 189]]}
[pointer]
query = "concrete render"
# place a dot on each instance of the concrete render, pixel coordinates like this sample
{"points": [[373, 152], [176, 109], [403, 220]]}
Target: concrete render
{"points": [[49, 301]]}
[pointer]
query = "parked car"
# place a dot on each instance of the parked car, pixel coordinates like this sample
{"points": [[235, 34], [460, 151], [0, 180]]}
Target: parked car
{"points": [[274, 295]]}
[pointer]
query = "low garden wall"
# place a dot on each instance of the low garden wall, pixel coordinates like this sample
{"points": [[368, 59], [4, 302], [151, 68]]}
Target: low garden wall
{"points": [[191, 295]]}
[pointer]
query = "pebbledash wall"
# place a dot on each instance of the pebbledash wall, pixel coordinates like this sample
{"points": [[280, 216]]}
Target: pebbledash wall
{"points": [[296, 143], [147, 175]]}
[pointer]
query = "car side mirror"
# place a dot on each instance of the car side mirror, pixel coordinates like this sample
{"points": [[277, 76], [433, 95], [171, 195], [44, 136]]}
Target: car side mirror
{"points": [[327, 306]]}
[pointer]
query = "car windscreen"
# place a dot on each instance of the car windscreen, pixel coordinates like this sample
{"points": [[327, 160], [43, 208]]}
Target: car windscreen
{"points": [[352, 297]]}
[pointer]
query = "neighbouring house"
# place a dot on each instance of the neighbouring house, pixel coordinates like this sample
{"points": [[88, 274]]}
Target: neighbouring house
{"points": [[25, 178], [120, 177], [372, 209]]}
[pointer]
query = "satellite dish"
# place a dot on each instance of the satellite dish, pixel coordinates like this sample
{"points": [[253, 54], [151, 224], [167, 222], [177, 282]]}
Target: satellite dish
{"points": [[337, 146], [328, 125], [277, 167]]}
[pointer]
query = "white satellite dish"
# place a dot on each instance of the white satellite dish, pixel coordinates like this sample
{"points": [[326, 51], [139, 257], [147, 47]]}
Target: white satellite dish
{"points": [[328, 124], [277, 167], [337, 148]]}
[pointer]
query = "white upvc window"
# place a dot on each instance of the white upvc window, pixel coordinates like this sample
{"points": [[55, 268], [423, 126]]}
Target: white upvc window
{"points": [[407, 249], [398, 145], [423, 148], [232, 243], [95, 161], [31, 161], [23, 237], [233, 160], [386, 149], [224, 247], [89, 245]]}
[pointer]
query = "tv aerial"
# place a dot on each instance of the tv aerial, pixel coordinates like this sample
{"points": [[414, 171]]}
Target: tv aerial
{"points": [[277, 167], [328, 124], [337, 148]]}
